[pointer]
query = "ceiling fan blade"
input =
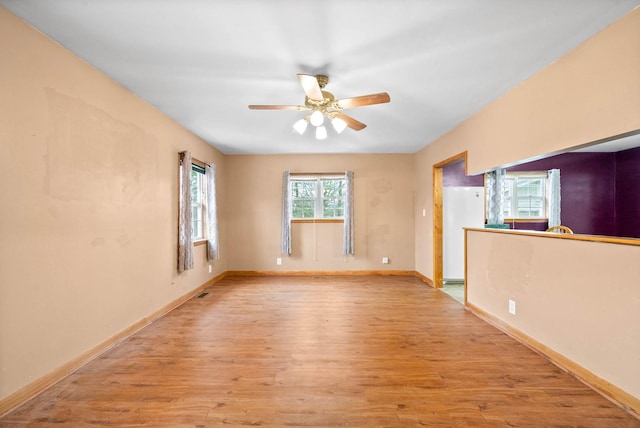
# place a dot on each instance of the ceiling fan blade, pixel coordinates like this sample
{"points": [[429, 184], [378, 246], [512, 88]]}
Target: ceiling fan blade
{"points": [[276, 107], [311, 87], [351, 122], [364, 100]]}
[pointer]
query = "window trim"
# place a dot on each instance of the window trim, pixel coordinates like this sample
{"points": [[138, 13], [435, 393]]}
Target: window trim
{"points": [[317, 220], [198, 167], [525, 220], [317, 177], [531, 174]]}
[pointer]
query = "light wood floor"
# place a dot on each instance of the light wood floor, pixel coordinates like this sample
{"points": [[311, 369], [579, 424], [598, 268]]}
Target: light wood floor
{"points": [[320, 352]]}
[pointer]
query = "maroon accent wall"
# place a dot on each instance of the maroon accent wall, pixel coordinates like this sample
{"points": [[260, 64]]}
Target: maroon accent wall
{"points": [[453, 176], [540, 226], [600, 191], [588, 190], [627, 187]]}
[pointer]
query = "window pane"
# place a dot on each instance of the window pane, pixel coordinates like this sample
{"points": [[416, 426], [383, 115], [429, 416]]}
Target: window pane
{"points": [[536, 187], [301, 208], [530, 187], [195, 186], [303, 189], [530, 207], [196, 205], [333, 208], [333, 192], [507, 208], [524, 196], [318, 198], [196, 220], [333, 188], [507, 189]]}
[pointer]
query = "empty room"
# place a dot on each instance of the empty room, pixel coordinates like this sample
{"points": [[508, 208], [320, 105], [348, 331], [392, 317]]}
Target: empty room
{"points": [[286, 213]]}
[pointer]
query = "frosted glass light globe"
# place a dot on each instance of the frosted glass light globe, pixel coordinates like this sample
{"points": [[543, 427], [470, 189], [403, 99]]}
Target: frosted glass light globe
{"points": [[338, 124], [316, 118], [300, 126], [321, 133]]}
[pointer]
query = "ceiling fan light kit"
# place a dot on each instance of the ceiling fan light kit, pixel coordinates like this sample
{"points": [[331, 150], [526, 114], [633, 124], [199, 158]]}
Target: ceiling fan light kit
{"points": [[338, 124], [300, 126], [316, 118], [321, 133], [323, 104]]}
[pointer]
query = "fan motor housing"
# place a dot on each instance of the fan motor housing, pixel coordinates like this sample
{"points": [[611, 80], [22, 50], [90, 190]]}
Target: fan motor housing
{"points": [[328, 98], [322, 80]]}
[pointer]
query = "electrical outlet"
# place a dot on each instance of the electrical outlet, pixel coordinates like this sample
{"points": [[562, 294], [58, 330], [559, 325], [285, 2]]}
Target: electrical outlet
{"points": [[424, 212], [385, 260], [279, 261], [209, 268], [512, 307]]}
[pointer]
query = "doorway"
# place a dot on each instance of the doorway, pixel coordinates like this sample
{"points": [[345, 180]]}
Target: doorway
{"points": [[456, 289]]}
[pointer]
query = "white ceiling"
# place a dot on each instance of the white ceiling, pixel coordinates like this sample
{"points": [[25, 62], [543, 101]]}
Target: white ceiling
{"points": [[202, 62], [615, 145]]}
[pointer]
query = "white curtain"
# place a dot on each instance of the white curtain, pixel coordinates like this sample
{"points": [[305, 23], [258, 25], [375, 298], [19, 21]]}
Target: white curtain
{"points": [[495, 198], [286, 213], [553, 176], [212, 213], [348, 240], [185, 239]]}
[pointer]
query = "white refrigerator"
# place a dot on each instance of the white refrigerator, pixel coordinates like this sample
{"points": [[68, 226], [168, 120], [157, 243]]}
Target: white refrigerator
{"points": [[461, 207]]}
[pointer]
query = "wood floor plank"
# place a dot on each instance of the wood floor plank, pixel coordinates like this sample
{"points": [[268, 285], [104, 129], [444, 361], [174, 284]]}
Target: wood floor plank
{"points": [[320, 352]]}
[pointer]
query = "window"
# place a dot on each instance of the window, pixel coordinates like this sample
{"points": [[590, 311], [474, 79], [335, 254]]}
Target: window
{"points": [[317, 198], [197, 202], [525, 195]]}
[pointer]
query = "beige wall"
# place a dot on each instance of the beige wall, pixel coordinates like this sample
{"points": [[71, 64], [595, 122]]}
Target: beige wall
{"points": [[567, 299], [589, 94], [578, 298], [88, 180], [383, 212], [88, 225]]}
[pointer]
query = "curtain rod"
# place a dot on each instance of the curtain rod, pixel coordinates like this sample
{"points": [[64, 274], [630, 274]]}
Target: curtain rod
{"points": [[199, 162], [317, 173], [195, 161]]}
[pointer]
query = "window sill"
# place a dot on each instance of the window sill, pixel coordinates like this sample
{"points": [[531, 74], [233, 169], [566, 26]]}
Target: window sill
{"points": [[526, 220], [199, 242], [317, 220]]}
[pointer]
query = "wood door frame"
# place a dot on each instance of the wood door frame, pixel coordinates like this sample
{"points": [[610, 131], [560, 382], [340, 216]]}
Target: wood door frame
{"points": [[437, 215]]}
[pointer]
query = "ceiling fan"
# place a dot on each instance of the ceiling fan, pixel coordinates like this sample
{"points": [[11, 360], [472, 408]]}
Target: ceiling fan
{"points": [[323, 104]]}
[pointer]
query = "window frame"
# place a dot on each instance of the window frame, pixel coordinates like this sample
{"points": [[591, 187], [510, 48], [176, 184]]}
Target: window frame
{"points": [[197, 167], [514, 200], [318, 199]]}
